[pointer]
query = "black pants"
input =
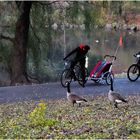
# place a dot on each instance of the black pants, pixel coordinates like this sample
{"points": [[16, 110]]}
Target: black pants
{"points": [[82, 65]]}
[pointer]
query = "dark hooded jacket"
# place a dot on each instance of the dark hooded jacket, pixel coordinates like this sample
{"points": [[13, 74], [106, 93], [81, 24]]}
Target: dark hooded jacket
{"points": [[80, 51]]}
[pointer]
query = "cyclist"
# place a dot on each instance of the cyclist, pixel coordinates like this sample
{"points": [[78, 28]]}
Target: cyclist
{"points": [[80, 57], [138, 53]]}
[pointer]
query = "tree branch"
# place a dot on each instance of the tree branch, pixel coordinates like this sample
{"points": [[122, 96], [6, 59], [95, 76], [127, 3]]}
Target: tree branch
{"points": [[6, 38], [46, 4], [5, 26], [39, 40]]}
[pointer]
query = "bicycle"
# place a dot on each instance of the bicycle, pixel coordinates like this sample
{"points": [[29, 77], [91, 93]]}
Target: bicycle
{"points": [[75, 74], [133, 72]]}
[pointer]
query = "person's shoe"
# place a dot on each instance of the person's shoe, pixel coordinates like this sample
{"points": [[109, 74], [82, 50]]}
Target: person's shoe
{"points": [[74, 78], [83, 84]]}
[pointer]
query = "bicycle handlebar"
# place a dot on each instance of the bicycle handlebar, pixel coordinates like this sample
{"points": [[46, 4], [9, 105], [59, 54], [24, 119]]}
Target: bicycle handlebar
{"points": [[110, 56], [135, 55]]}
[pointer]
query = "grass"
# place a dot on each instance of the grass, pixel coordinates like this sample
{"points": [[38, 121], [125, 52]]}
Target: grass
{"points": [[57, 119]]}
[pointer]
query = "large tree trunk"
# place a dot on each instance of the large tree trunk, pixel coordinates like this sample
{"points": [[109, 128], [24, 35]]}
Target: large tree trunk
{"points": [[18, 60]]}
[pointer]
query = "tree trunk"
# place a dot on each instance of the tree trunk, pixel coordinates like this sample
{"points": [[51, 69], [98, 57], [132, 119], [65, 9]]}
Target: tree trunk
{"points": [[18, 60]]}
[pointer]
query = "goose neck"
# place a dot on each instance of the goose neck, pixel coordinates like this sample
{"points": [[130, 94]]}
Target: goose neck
{"points": [[111, 86]]}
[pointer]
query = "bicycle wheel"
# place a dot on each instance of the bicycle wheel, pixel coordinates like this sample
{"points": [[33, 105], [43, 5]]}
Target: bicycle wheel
{"points": [[133, 72], [108, 78], [66, 77], [80, 80]]}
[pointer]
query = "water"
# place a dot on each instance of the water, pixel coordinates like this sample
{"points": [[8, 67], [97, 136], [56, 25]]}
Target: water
{"points": [[104, 42]]}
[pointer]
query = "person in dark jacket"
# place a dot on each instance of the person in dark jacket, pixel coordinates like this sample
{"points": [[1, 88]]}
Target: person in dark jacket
{"points": [[80, 52], [138, 53]]}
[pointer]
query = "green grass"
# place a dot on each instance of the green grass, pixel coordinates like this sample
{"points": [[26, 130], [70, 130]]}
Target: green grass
{"points": [[57, 119]]}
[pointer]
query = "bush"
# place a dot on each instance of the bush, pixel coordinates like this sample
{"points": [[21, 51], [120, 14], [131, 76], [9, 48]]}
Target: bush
{"points": [[38, 116]]}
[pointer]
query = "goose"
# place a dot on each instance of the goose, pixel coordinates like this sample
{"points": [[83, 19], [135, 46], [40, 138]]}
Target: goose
{"points": [[73, 98], [115, 97]]}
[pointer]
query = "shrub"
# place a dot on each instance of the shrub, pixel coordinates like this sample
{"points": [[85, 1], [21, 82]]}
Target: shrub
{"points": [[38, 116]]}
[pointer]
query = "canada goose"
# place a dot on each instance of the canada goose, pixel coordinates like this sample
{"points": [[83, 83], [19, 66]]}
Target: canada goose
{"points": [[115, 97], [73, 98]]}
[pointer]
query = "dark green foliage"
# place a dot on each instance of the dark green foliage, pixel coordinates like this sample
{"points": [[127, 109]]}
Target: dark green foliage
{"points": [[87, 15], [5, 54], [49, 32], [74, 11], [117, 7]]}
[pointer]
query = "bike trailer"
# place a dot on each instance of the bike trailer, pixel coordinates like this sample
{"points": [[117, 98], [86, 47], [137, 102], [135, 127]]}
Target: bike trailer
{"points": [[99, 68]]}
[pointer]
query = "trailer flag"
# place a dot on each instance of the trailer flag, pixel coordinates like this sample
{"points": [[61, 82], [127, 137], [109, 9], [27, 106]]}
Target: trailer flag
{"points": [[121, 42]]}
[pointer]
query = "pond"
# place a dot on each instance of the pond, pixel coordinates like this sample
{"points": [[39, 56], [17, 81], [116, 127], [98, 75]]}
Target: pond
{"points": [[101, 41], [104, 42]]}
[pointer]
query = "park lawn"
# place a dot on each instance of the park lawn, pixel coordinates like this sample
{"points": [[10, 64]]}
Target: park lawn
{"points": [[58, 119]]}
